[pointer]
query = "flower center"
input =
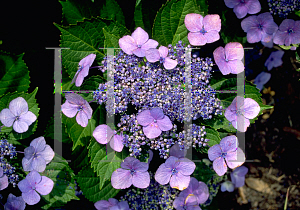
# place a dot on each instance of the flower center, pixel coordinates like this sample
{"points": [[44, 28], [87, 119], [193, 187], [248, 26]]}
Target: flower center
{"points": [[203, 31], [162, 60], [260, 26], [33, 188], [132, 171], [174, 171], [239, 112], [139, 46], [242, 1], [80, 108], [17, 118], [223, 155], [226, 60], [79, 68], [155, 121], [291, 31]]}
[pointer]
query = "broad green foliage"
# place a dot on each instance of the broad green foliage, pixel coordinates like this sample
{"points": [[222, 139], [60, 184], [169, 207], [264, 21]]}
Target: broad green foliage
{"points": [[14, 74], [49, 132], [89, 183], [64, 186], [288, 47], [298, 13], [213, 136], [203, 7], [13, 136], [203, 172]]}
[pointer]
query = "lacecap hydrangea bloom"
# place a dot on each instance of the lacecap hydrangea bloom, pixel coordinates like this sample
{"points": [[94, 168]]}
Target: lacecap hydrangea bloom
{"points": [[238, 176], [111, 204], [288, 33], [14, 203], [3, 180], [242, 7]]}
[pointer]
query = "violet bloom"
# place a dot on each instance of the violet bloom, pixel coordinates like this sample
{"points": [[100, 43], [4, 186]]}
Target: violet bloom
{"points": [[259, 28], [17, 115], [160, 55], [111, 204], [227, 186], [14, 203], [104, 134], [262, 79], [75, 103], [238, 176], [242, 7], [189, 203], [3, 180], [132, 172], [32, 183], [227, 149], [202, 30], [240, 111], [288, 33], [138, 43], [229, 59], [83, 71], [154, 122], [37, 155], [274, 60]]}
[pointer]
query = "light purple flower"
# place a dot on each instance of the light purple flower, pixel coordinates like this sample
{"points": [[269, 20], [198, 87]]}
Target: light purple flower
{"points": [[104, 134], [240, 111], [3, 180], [189, 203], [111, 204], [262, 79], [259, 28], [177, 171], [176, 152], [83, 71], [75, 103], [138, 43], [229, 59], [202, 30], [32, 183], [17, 115], [238, 176], [269, 44], [132, 172], [228, 149], [37, 155], [14, 203], [227, 186], [160, 55], [274, 60], [293, 48], [288, 33], [242, 7], [154, 122]]}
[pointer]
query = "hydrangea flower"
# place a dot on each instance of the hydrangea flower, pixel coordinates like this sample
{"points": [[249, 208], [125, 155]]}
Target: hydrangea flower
{"points": [[138, 43], [274, 60], [111, 204], [288, 33], [189, 203], [229, 59], [3, 180], [104, 134], [242, 7], [160, 55], [75, 103], [154, 122], [37, 155], [83, 71], [177, 152], [240, 111], [228, 149], [238, 176], [202, 30], [14, 203], [32, 183], [227, 186], [132, 172], [17, 115], [262, 79], [259, 27]]}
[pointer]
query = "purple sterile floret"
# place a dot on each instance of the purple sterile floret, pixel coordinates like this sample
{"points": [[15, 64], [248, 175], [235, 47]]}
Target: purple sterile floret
{"points": [[37, 155], [288, 33], [262, 79], [227, 186], [274, 60], [83, 70], [132, 171], [104, 134], [227, 149], [177, 152], [238, 176], [229, 59], [14, 203], [154, 122], [160, 55], [17, 115], [32, 184], [240, 111], [138, 43], [75, 103], [189, 203], [242, 7], [202, 30], [259, 27], [3, 180], [111, 204]]}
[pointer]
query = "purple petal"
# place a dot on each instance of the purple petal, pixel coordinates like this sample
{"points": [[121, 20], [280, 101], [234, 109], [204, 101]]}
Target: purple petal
{"points": [[241, 171], [103, 134], [27, 164], [163, 51], [140, 36], [47, 154], [193, 22], [254, 35], [163, 174], [235, 156], [220, 166], [219, 54], [212, 36], [212, 22], [20, 127], [268, 44], [196, 38], [45, 186], [186, 166], [288, 40], [157, 113], [236, 66], [240, 11], [214, 152], [179, 181], [149, 44], [237, 103], [172, 162], [88, 60], [74, 98], [227, 186], [229, 143], [144, 118], [24, 186], [123, 205], [179, 203], [241, 124], [152, 55], [202, 192], [141, 179], [193, 186], [129, 162], [81, 75], [14, 203], [1, 171], [152, 131], [280, 37], [116, 143], [231, 3], [250, 22], [266, 38], [170, 63], [121, 179], [38, 164], [28, 152], [238, 181], [31, 197], [224, 67], [230, 115], [150, 156], [176, 152], [234, 51], [253, 6], [286, 24], [99, 205], [38, 143], [165, 124], [69, 110], [127, 44], [113, 201], [7, 118], [28, 118], [82, 119], [87, 109], [251, 108], [3, 182], [18, 106], [140, 166]]}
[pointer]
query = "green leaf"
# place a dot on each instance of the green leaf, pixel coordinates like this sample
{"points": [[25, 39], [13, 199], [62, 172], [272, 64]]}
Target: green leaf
{"points": [[80, 157], [169, 21], [49, 132], [203, 7], [112, 11], [213, 136], [137, 2], [297, 57], [105, 163], [89, 183], [203, 172], [14, 74], [298, 13], [285, 47], [13, 136], [64, 186], [112, 34]]}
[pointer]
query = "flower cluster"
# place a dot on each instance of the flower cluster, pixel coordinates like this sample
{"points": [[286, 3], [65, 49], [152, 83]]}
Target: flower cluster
{"points": [[283, 8], [194, 135]]}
